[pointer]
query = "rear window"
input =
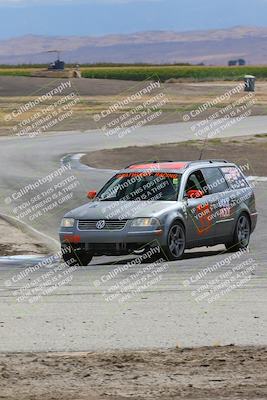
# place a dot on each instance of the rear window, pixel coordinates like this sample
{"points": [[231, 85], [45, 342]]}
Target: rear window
{"points": [[234, 177]]}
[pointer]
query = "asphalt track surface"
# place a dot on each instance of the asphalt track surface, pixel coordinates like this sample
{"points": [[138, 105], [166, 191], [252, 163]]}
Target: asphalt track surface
{"points": [[77, 316]]}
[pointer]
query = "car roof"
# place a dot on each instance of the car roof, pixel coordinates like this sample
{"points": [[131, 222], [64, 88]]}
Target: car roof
{"points": [[174, 166]]}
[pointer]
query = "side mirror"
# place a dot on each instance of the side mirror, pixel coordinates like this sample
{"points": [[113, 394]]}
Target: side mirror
{"points": [[194, 194], [91, 195]]}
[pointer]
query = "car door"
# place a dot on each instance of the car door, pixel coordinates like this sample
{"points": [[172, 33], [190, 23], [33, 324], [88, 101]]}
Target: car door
{"points": [[200, 227], [240, 192], [221, 201]]}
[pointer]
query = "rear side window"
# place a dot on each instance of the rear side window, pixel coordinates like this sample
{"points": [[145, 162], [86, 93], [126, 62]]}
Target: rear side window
{"points": [[215, 180], [234, 177]]}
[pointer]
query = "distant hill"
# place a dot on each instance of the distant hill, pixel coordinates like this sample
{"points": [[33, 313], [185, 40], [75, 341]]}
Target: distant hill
{"points": [[214, 47]]}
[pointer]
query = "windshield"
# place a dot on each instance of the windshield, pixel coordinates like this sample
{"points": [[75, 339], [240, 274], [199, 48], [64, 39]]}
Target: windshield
{"points": [[141, 186]]}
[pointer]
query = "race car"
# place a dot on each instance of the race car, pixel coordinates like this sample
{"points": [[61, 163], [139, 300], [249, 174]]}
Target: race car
{"points": [[169, 204]]}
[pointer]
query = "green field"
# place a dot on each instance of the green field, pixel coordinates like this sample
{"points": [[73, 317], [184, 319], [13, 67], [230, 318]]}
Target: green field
{"points": [[143, 72], [16, 71], [163, 73]]}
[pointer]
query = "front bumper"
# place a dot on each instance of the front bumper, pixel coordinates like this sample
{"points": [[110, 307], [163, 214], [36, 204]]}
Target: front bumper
{"points": [[108, 249], [128, 237]]}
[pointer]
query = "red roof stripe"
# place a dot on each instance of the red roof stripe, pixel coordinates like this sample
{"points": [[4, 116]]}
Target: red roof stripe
{"points": [[165, 165]]}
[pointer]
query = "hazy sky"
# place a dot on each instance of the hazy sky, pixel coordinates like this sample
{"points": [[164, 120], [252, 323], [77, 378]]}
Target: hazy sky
{"points": [[99, 17]]}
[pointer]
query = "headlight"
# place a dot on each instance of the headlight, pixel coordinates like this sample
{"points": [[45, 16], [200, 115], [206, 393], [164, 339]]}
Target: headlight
{"points": [[142, 222], [67, 222]]}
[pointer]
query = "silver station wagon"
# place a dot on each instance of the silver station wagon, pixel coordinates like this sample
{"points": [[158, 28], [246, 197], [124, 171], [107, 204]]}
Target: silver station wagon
{"points": [[166, 205]]}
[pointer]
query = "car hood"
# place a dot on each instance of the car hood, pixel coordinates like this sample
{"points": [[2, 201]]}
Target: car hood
{"points": [[121, 209]]}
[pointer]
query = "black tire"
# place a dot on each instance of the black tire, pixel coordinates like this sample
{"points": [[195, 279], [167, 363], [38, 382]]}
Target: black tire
{"points": [[75, 256], [242, 234], [176, 242]]}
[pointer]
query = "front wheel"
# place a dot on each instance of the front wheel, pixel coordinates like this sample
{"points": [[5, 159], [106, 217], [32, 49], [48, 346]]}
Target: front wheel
{"points": [[241, 235], [175, 242], [72, 256]]}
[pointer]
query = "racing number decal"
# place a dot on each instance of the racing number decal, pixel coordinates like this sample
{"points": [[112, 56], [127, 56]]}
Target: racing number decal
{"points": [[224, 207]]}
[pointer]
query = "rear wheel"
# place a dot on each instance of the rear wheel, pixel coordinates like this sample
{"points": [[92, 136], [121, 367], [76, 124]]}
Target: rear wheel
{"points": [[175, 242], [72, 256], [241, 235]]}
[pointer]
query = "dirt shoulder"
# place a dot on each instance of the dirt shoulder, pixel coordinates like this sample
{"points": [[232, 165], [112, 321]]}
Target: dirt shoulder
{"points": [[95, 96], [15, 242], [242, 150], [227, 372]]}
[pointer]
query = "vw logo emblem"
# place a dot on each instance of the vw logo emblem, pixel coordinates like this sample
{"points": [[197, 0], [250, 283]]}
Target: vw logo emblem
{"points": [[100, 224]]}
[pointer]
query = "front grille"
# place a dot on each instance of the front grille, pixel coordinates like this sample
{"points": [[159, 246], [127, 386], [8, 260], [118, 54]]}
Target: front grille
{"points": [[109, 225]]}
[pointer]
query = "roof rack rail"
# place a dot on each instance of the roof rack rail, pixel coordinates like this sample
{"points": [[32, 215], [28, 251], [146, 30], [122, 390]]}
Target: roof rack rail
{"points": [[148, 162], [206, 161], [219, 160]]}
